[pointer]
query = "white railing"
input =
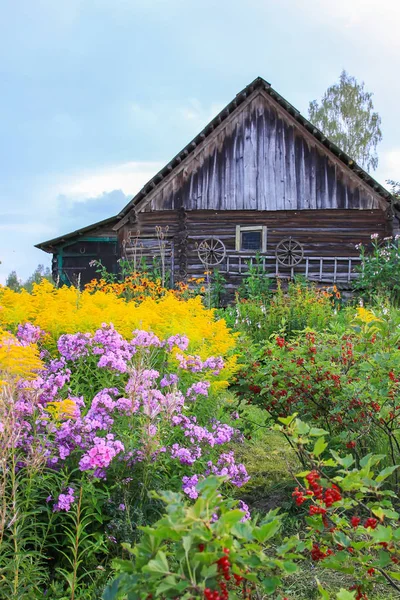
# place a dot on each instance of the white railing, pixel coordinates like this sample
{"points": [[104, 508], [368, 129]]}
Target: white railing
{"points": [[323, 269]]}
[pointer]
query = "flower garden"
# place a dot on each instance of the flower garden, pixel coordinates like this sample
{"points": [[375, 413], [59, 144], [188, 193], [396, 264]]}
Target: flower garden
{"points": [[153, 447]]}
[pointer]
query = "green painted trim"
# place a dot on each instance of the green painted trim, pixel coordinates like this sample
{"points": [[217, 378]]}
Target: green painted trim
{"points": [[61, 275], [87, 238]]}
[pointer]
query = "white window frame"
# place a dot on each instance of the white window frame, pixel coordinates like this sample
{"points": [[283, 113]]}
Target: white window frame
{"points": [[241, 228]]}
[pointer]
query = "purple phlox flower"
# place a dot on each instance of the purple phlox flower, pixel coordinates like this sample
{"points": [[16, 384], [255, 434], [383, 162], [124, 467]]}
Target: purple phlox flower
{"points": [[185, 456], [64, 501], [145, 339], [114, 349], [194, 363], [200, 388], [235, 415], [29, 334], [190, 363], [170, 379], [127, 405], [73, 346], [121, 506], [98, 416], [189, 486], [181, 341], [224, 433], [243, 506], [226, 467], [101, 454], [215, 364]]}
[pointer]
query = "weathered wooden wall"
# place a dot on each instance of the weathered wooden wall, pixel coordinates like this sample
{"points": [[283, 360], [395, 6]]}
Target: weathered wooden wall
{"points": [[261, 158], [326, 233]]}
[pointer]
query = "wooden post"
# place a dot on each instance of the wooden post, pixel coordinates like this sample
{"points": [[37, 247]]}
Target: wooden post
{"points": [[182, 241]]}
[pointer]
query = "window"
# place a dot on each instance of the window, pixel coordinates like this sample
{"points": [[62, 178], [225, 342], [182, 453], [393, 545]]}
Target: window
{"points": [[251, 239]]}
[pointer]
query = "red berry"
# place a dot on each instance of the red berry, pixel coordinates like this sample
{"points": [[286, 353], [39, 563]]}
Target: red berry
{"points": [[355, 521], [371, 522]]}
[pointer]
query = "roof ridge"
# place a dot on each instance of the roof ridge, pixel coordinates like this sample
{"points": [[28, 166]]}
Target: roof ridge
{"points": [[258, 83]]}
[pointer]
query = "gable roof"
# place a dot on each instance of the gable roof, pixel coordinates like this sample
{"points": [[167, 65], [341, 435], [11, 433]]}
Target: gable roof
{"points": [[49, 245], [258, 84]]}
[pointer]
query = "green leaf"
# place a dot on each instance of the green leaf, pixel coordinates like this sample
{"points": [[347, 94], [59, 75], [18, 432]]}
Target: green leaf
{"points": [[371, 459], [187, 543], [345, 595], [265, 532], [381, 534], [319, 446], [316, 432], [243, 531], [158, 565], [383, 558], [290, 567], [324, 593], [386, 473], [111, 590], [231, 517], [168, 584], [125, 566], [301, 427], [270, 584]]}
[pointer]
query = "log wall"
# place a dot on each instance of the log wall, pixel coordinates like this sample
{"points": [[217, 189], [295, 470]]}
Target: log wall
{"points": [[324, 233]]}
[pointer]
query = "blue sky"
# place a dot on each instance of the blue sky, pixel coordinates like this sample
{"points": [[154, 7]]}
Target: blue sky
{"points": [[97, 95]]}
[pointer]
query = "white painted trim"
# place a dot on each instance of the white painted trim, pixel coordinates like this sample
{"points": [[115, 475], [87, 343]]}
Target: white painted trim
{"points": [[238, 237]]}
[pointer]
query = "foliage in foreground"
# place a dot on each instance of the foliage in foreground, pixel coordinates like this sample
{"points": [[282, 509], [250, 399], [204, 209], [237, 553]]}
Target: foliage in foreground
{"points": [[85, 431], [379, 272], [210, 549], [346, 381], [214, 551]]}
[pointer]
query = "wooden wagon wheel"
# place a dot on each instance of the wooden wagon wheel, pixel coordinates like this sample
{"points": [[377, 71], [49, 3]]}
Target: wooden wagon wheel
{"points": [[289, 252], [211, 251]]}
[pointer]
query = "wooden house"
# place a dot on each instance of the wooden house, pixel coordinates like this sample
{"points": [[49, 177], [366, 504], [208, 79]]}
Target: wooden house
{"points": [[259, 179]]}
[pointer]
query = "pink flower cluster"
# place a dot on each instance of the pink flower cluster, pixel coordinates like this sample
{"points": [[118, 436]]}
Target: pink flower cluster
{"points": [[65, 501], [144, 414], [101, 454]]}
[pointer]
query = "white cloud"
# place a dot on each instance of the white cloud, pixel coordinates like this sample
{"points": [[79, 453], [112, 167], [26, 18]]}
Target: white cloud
{"points": [[39, 228], [198, 114], [367, 22], [128, 177], [389, 166], [193, 115]]}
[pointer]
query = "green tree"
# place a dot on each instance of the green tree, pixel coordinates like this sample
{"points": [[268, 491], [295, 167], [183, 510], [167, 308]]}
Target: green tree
{"points": [[13, 282], [346, 116], [41, 272]]}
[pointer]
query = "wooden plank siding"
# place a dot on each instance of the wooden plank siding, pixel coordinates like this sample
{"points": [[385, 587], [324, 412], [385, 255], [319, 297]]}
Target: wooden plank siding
{"points": [[327, 233], [261, 158]]}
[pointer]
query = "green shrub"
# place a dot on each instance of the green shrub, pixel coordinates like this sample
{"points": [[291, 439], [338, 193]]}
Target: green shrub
{"points": [[379, 272]]}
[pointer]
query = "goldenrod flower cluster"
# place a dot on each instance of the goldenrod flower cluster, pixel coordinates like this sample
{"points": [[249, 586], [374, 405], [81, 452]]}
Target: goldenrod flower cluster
{"points": [[17, 361], [67, 310]]}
